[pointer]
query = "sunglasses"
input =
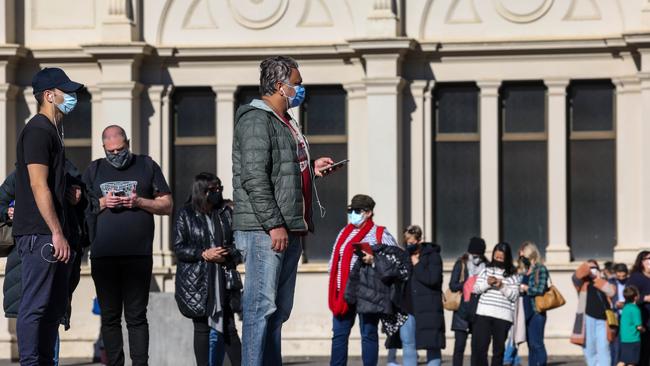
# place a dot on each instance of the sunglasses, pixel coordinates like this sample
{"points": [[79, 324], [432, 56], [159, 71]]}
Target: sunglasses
{"points": [[356, 210], [215, 189]]}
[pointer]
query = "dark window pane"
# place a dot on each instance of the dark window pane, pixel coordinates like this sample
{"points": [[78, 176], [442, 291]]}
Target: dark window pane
{"points": [[79, 156], [456, 108], [246, 94], [592, 106], [592, 200], [524, 193], [332, 191], [524, 108], [324, 110], [188, 162], [194, 112], [457, 195], [78, 124]]}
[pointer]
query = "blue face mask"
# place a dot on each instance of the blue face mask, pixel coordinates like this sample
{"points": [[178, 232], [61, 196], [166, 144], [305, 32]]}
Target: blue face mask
{"points": [[356, 219], [69, 102], [298, 98]]}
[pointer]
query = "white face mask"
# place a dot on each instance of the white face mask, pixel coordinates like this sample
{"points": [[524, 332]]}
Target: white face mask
{"points": [[594, 272], [475, 259]]}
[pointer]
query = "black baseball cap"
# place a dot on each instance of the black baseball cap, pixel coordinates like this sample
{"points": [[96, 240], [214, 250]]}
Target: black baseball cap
{"points": [[53, 77]]}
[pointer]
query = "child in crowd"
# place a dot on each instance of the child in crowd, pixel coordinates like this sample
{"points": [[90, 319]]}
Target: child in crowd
{"points": [[618, 301], [631, 327]]}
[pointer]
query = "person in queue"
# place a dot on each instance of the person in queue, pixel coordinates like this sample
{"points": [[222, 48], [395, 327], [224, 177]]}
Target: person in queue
{"points": [[640, 278], [207, 258], [621, 274], [498, 286]]}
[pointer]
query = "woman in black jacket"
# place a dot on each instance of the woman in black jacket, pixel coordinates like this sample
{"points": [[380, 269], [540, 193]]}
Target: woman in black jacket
{"points": [[208, 288], [467, 266], [425, 327]]}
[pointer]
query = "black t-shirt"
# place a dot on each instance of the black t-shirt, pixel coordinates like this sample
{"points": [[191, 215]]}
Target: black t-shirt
{"points": [[596, 303], [121, 231], [38, 143]]}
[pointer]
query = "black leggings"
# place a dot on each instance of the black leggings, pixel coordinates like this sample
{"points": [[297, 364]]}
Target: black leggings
{"points": [[202, 341], [484, 330]]}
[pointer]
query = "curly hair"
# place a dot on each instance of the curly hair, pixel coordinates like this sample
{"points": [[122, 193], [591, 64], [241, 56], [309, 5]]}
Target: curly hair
{"points": [[274, 69]]}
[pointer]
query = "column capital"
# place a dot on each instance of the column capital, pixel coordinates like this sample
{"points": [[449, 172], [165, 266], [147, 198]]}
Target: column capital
{"points": [[627, 84], [420, 88], [489, 88], [119, 90], [8, 92], [557, 87], [225, 92], [383, 86], [355, 89]]}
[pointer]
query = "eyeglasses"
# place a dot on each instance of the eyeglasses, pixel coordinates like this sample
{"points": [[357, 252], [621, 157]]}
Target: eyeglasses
{"points": [[356, 210]]}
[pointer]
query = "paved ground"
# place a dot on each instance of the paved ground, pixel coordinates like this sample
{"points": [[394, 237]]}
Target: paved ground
{"points": [[320, 361]]}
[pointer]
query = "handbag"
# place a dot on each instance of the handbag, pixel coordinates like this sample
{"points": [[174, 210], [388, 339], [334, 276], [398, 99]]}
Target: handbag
{"points": [[6, 240], [610, 315], [451, 299], [551, 299]]}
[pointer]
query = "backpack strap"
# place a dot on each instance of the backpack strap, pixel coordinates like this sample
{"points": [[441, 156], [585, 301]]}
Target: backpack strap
{"points": [[380, 234]]}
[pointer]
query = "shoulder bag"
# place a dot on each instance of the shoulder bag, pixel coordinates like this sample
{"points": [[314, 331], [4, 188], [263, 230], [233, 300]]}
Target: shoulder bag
{"points": [[451, 299], [551, 299], [6, 240]]}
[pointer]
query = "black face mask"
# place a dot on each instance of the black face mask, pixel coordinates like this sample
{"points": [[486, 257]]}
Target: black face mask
{"points": [[120, 160], [623, 281], [215, 198], [412, 248], [498, 264], [525, 261]]}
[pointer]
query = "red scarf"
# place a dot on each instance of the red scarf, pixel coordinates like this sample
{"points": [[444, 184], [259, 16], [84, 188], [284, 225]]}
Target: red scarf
{"points": [[337, 297]]}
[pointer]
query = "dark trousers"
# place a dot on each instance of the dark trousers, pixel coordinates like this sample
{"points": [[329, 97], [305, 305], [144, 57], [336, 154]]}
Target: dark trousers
{"points": [[44, 299], [460, 341], [645, 349], [484, 330], [535, 338], [207, 354], [341, 327], [123, 283]]}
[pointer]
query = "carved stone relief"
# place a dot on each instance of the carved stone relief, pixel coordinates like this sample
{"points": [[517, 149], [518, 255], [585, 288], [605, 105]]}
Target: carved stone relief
{"points": [[462, 12], [316, 14], [258, 14], [518, 11], [583, 10], [199, 16]]}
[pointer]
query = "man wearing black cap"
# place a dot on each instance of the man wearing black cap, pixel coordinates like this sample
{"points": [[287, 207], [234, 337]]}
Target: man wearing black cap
{"points": [[39, 218]]}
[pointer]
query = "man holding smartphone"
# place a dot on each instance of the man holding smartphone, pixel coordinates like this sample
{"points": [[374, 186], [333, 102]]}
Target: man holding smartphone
{"points": [[272, 180]]}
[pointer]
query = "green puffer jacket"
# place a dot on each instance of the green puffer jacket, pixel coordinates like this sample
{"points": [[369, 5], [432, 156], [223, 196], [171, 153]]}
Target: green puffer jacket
{"points": [[266, 174]]}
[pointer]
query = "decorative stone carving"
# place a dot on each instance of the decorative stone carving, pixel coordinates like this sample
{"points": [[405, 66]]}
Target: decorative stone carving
{"points": [[462, 12], [583, 10], [518, 11], [258, 14], [316, 14], [199, 16]]}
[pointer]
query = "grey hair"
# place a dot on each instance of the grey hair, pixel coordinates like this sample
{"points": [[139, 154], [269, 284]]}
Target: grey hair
{"points": [[274, 69]]}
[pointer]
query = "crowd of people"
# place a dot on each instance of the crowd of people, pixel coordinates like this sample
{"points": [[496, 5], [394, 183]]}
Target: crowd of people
{"points": [[391, 285]]}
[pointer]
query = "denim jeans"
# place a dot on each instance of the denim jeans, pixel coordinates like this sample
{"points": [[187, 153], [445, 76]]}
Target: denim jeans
{"points": [[596, 348], [535, 338], [217, 348], [410, 357], [341, 327], [269, 287], [615, 349], [511, 354]]}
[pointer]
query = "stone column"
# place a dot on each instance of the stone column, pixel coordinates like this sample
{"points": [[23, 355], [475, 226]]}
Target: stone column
{"points": [[225, 125], [558, 249], [428, 163], [8, 94], [629, 164], [418, 158], [158, 152], [358, 166], [489, 127], [97, 150], [382, 20], [384, 114]]}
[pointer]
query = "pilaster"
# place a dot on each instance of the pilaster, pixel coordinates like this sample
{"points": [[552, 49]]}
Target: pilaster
{"points": [[489, 127], [358, 166], [418, 157], [8, 94], [225, 126]]}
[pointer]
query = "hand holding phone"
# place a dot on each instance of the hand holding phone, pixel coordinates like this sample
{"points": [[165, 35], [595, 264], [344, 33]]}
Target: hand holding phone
{"points": [[336, 166]]}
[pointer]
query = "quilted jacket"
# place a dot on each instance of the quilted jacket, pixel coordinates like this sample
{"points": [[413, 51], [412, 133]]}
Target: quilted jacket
{"points": [[266, 173], [194, 276]]}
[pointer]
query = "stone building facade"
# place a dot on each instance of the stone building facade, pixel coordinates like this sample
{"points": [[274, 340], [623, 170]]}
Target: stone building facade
{"points": [[507, 119]]}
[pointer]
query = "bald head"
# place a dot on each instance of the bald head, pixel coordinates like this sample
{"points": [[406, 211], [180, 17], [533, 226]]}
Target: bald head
{"points": [[114, 138]]}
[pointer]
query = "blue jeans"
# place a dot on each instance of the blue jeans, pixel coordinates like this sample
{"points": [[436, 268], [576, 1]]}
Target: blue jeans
{"points": [[511, 355], [410, 357], [535, 338], [217, 348], [341, 327], [268, 295], [596, 348]]}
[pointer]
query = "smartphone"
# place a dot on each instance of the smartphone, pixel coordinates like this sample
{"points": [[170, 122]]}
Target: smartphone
{"points": [[119, 194], [334, 166]]}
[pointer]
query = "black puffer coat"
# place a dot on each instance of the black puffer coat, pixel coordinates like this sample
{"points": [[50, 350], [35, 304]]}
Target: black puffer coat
{"points": [[374, 289], [426, 292], [194, 276]]}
